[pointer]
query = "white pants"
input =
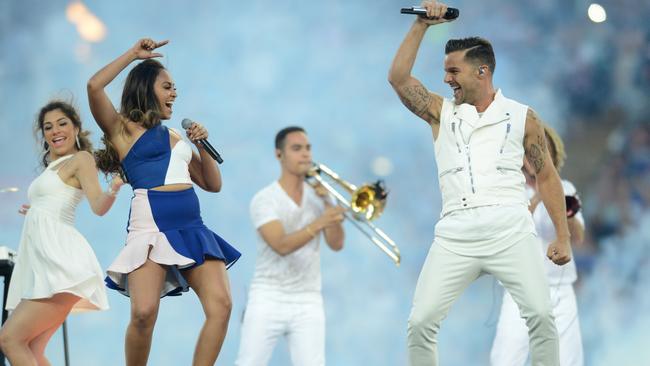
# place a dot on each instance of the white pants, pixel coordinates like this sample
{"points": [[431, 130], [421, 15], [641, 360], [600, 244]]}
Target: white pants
{"points": [[510, 346], [445, 275], [269, 316]]}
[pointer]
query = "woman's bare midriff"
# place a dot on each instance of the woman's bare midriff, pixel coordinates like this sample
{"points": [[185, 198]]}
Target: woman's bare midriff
{"points": [[172, 187]]}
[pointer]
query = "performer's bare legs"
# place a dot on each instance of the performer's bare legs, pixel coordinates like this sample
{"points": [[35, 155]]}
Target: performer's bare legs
{"points": [[210, 282], [25, 334], [145, 284]]}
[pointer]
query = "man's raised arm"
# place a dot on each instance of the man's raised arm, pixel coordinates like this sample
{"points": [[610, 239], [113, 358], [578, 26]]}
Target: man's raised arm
{"points": [[414, 95]]}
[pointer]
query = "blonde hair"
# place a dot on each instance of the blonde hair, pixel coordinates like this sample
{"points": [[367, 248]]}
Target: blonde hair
{"points": [[555, 141]]}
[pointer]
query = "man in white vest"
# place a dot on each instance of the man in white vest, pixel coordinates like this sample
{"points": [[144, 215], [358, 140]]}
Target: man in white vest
{"points": [[481, 138]]}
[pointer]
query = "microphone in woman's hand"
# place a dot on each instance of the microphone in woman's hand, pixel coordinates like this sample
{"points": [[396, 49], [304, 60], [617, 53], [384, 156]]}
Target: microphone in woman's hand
{"points": [[187, 123]]}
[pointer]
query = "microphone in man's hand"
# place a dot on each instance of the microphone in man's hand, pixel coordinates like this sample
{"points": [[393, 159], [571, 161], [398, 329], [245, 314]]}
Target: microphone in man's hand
{"points": [[452, 13], [187, 123]]}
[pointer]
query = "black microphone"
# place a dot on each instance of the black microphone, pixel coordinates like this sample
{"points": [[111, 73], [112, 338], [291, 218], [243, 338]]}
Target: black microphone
{"points": [[187, 123], [452, 13]]}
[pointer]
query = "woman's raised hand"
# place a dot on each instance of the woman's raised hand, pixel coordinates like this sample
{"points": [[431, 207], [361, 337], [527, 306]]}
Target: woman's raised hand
{"points": [[143, 49]]}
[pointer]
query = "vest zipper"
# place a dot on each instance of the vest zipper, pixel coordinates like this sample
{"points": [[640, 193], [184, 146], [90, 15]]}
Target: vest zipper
{"points": [[469, 160], [502, 169], [453, 130], [452, 170], [469, 166], [505, 139]]}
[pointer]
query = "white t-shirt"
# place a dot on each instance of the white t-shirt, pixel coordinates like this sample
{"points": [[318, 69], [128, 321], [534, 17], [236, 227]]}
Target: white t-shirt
{"points": [[557, 275], [298, 271]]}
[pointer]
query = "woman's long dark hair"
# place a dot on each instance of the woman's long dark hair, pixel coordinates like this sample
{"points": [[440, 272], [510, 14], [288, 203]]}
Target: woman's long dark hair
{"points": [[139, 104], [72, 114]]}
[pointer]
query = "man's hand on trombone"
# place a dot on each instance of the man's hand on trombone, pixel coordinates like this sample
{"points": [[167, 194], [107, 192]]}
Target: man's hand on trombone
{"points": [[333, 215], [330, 223], [323, 193]]}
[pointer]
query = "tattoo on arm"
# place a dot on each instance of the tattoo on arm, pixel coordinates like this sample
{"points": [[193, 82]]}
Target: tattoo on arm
{"points": [[418, 100], [535, 143], [536, 154]]}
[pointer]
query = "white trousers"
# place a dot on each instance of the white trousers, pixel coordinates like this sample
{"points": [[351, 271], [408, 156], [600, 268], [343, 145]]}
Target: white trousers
{"points": [[268, 317], [510, 346], [445, 275]]}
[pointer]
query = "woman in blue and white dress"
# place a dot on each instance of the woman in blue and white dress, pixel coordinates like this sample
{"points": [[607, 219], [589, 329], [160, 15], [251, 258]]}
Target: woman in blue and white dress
{"points": [[168, 248], [56, 271]]}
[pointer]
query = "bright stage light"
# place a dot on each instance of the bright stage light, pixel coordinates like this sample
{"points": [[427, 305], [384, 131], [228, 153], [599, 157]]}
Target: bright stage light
{"points": [[9, 189], [92, 29], [596, 13], [89, 26], [382, 166], [76, 11]]}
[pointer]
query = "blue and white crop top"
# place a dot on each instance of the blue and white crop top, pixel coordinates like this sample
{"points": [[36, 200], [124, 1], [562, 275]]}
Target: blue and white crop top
{"points": [[152, 162]]}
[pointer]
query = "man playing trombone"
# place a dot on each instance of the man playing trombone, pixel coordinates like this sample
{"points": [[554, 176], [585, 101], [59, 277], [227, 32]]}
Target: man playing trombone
{"points": [[285, 293]]}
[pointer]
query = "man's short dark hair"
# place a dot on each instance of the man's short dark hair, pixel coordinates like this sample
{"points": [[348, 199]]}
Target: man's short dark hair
{"points": [[480, 50], [281, 137]]}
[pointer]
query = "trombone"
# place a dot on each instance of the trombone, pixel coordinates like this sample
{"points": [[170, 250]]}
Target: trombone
{"points": [[366, 204]]}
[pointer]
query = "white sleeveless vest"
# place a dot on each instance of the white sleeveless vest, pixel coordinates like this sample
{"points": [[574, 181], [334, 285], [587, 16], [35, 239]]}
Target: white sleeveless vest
{"points": [[480, 158]]}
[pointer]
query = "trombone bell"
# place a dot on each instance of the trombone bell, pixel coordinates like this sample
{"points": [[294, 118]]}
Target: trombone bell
{"points": [[369, 200], [366, 203]]}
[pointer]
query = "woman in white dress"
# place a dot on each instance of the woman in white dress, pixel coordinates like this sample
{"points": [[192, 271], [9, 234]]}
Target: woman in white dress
{"points": [[56, 271]]}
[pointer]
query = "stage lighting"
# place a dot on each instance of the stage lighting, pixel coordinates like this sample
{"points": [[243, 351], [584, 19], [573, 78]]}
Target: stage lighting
{"points": [[89, 26], [596, 13], [382, 166]]}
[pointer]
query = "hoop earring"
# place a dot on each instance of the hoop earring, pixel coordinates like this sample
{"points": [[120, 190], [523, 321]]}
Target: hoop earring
{"points": [[78, 144]]}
